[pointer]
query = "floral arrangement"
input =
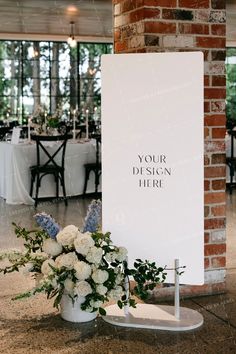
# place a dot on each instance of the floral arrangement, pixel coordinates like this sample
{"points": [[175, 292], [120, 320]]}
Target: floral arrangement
{"points": [[81, 263], [43, 121]]}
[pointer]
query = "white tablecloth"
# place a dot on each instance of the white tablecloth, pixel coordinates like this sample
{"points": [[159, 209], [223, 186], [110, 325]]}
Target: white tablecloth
{"points": [[15, 162]]}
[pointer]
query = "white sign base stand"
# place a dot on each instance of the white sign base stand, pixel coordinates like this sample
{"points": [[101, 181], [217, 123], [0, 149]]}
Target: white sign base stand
{"points": [[162, 317]]}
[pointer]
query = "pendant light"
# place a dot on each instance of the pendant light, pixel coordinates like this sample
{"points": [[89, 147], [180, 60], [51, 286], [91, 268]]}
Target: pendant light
{"points": [[71, 39]]}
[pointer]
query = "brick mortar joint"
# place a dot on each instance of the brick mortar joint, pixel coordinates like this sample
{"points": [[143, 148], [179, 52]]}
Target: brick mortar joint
{"points": [[216, 255], [220, 218], [213, 205], [214, 178], [208, 114], [215, 243], [216, 164]]}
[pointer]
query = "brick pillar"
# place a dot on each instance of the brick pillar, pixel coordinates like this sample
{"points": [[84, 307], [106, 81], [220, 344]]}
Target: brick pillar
{"points": [[190, 25]]}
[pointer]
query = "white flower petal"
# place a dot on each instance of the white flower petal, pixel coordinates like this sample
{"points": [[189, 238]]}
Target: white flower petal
{"points": [[52, 247]]}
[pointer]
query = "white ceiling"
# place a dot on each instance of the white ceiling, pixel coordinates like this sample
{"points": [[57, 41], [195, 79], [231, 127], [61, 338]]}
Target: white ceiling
{"points": [[231, 21], [50, 19]]}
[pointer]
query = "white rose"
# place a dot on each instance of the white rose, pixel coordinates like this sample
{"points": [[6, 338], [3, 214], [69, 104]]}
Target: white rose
{"points": [[100, 276], [83, 288], [80, 234], [101, 289], [72, 229], [122, 254], [45, 268], [69, 286], [83, 244], [96, 304], [94, 255], [51, 247], [67, 236], [116, 294], [28, 267], [83, 270], [66, 260]]}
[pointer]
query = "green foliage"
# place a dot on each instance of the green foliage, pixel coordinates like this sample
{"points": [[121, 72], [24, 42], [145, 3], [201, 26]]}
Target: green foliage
{"points": [[33, 241], [147, 275], [33, 238], [231, 87], [52, 122], [102, 312]]}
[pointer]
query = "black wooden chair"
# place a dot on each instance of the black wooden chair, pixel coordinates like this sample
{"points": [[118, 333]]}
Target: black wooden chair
{"points": [[4, 131], [231, 160], [51, 166], [95, 167]]}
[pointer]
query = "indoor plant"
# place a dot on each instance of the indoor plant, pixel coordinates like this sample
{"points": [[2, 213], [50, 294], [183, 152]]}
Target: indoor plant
{"points": [[85, 267]]}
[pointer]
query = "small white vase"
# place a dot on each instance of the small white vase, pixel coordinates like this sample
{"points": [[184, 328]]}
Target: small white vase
{"points": [[72, 312]]}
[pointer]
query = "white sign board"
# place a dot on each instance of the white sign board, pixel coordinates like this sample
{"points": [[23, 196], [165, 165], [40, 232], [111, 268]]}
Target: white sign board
{"points": [[152, 132]]}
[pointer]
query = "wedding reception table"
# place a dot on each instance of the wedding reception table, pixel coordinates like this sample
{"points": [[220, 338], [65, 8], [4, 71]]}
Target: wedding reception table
{"points": [[15, 161]]}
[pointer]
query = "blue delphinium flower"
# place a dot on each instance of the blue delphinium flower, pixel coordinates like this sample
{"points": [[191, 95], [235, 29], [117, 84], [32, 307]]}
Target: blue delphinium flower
{"points": [[48, 224], [93, 217]]}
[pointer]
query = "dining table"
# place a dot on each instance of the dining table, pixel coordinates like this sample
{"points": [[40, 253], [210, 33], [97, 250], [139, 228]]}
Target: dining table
{"points": [[15, 162]]}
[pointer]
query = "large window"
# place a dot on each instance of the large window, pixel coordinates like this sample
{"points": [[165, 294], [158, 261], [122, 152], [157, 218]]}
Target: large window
{"points": [[90, 77], [231, 87], [52, 76]]}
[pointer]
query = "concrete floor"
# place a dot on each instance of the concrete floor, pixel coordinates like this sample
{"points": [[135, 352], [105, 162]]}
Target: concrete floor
{"points": [[34, 326]]}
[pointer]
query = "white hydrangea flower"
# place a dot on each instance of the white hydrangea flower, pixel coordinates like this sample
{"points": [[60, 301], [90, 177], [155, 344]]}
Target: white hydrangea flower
{"points": [[101, 289], [83, 288], [83, 243], [66, 260], [69, 286], [116, 294], [100, 276], [119, 278], [51, 247], [67, 236], [122, 254], [96, 304], [83, 270], [111, 257], [94, 255], [45, 268]]}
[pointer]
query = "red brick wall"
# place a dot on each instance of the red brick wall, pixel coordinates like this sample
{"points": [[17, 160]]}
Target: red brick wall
{"points": [[189, 25]]}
